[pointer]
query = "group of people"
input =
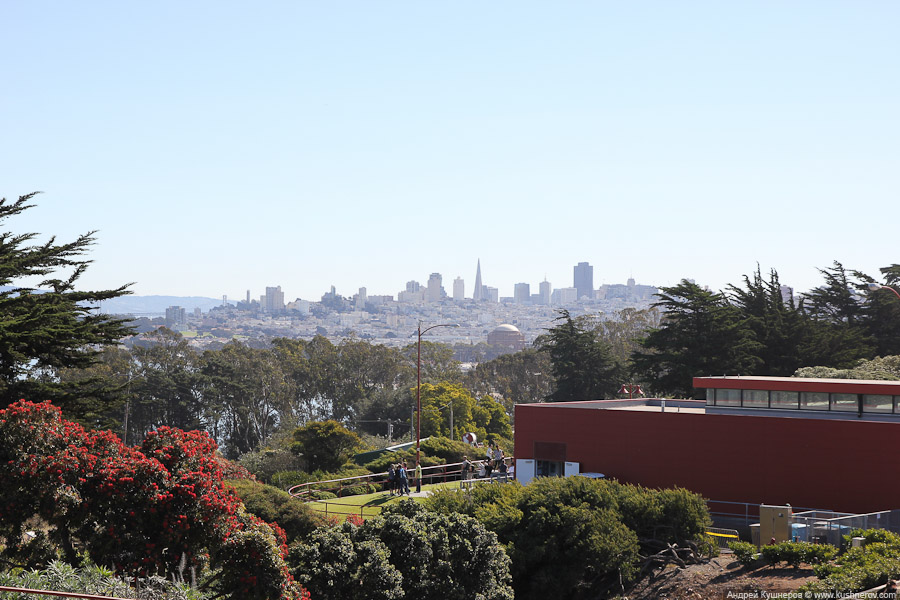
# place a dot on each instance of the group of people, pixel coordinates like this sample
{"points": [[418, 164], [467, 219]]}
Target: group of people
{"points": [[494, 465], [398, 479]]}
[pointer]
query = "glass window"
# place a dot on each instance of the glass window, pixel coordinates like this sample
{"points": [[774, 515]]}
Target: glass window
{"points": [[814, 400], [847, 402], [756, 398], [710, 396], [785, 400], [877, 403], [728, 397]]}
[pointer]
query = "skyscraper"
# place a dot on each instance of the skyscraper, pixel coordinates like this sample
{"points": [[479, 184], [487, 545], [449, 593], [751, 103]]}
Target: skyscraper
{"points": [[273, 300], [522, 293], [434, 288], [478, 292], [459, 289], [584, 280], [545, 290]]}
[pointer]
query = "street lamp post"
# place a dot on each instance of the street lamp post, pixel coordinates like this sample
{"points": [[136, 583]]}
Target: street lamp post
{"points": [[877, 286], [422, 332]]}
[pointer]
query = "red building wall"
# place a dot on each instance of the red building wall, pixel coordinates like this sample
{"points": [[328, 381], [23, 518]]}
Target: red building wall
{"points": [[842, 465]]}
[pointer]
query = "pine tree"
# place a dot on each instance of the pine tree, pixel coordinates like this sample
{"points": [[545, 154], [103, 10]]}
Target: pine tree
{"points": [[583, 365], [701, 334], [53, 325]]}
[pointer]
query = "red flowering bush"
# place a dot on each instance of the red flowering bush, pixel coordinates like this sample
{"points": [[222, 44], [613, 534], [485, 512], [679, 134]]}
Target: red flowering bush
{"points": [[138, 510]]}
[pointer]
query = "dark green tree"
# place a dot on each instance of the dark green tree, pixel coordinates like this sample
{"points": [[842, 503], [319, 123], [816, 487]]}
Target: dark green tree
{"points": [[835, 331], [53, 325], [881, 312], [581, 362], [326, 445], [245, 396], [165, 384], [524, 376], [407, 553], [701, 334], [776, 323]]}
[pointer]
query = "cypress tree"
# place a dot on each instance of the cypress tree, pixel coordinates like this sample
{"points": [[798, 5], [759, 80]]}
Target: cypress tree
{"points": [[53, 325]]}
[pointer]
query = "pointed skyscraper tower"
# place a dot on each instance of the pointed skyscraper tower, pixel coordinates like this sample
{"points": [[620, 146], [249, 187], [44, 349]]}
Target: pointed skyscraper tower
{"points": [[477, 296]]}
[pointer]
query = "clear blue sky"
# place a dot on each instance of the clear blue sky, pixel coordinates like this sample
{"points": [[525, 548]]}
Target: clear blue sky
{"points": [[225, 146]]}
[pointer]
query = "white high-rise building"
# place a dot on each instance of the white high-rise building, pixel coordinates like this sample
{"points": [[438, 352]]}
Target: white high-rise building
{"points": [[459, 289], [273, 301], [434, 288]]}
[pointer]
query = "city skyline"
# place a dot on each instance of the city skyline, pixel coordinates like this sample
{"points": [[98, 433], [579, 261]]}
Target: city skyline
{"points": [[308, 145]]}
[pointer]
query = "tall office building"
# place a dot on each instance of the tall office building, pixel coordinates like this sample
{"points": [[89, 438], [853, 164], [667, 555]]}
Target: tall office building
{"points": [[522, 293], [478, 292], [584, 280], [434, 288], [459, 289], [545, 291], [273, 301], [175, 315], [361, 299]]}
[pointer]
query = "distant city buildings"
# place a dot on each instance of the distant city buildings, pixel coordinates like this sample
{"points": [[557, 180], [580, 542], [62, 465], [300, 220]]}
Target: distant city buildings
{"points": [[545, 292], [459, 289], [175, 315], [489, 325], [522, 293], [435, 291], [584, 280], [273, 301]]}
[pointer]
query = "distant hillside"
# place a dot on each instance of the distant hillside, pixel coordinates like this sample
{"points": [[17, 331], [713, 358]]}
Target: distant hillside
{"points": [[144, 305]]}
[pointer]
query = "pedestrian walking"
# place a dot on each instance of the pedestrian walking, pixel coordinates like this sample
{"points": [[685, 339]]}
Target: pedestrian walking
{"points": [[404, 479], [418, 477]]}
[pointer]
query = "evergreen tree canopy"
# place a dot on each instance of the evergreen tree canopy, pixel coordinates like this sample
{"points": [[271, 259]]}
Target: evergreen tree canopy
{"points": [[52, 325], [701, 334], [583, 365]]}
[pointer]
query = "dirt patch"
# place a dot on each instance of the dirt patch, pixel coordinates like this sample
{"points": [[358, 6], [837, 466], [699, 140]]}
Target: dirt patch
{"points": [[716, 578]]}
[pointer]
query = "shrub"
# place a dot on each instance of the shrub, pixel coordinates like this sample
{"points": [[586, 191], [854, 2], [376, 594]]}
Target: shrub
{"points": [[861, 568], [744, 552], [586, 528], [407, 552], [159, 505], [449, 451], [321, 495], [274, 505], [795, 553]]}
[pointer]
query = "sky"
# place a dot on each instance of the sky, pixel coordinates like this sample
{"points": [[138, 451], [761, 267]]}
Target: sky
{"points": [[219, 147]]}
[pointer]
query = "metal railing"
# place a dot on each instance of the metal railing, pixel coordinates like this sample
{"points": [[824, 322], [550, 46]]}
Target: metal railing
{"points": [[434, 474], [723, 536]]}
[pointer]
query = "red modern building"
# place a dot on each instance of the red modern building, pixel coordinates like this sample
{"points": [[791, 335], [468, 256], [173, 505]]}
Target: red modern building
{"points": [[819, 443]]}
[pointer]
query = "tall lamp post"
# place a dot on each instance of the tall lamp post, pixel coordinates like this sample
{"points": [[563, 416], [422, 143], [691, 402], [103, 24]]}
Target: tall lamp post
{"points": [[422, 332], [877, 286]]}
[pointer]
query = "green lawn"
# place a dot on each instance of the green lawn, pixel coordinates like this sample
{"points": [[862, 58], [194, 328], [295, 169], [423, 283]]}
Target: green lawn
{"points": [[369, 505]]}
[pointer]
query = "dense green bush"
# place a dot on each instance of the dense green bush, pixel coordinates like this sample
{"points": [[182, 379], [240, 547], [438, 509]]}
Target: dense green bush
{"points": [[381, 464], [271, 504], [407, 553], [795, 553], [449, 451], [588, 529], [861, 568], [321, 495], [745, 552]]}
